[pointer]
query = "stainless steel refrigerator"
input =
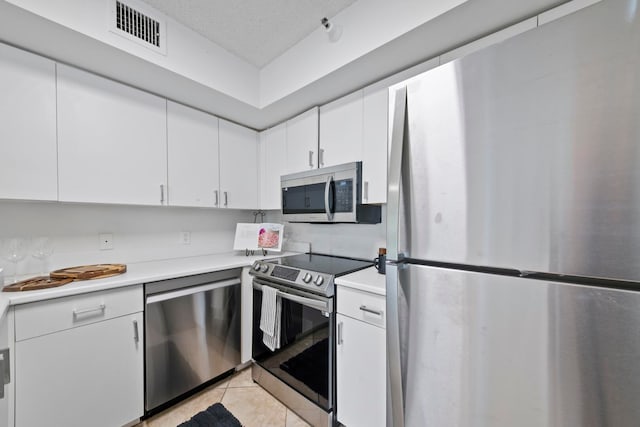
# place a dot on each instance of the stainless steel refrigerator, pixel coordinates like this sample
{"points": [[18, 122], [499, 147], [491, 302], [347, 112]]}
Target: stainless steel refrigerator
{"points": [[513, 280]]}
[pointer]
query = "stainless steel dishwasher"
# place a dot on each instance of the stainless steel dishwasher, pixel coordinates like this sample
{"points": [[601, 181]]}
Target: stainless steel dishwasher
{"points": [[192, 327]]}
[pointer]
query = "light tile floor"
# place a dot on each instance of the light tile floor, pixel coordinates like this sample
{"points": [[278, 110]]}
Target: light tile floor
{"points": [[246, 400]]}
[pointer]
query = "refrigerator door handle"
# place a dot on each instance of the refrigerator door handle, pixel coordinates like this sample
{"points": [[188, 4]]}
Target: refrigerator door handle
{"points": [[395, 173], [395, 398]]}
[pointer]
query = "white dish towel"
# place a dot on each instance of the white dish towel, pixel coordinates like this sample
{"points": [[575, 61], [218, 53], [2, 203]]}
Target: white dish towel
{"points": [[270, 314]]}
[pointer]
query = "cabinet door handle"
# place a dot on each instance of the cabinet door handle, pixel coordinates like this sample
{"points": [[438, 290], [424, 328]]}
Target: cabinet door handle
{"points": [[216, 193], [366, 190], [370, 310], [161, 194], [100, 308], [136, 335], [5, 371], [340, 341], [321, 160], [311, 158], [226, 199]]}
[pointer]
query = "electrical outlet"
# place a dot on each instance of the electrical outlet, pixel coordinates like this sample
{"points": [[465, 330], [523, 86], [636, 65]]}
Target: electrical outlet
{"points": [[106, 241], [185, 237]]}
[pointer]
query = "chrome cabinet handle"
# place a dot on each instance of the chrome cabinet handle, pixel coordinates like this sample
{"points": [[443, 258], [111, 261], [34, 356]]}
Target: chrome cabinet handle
{"points": [[136, 335], [216, 193], [100, 308], [226, 199], [311, 158], [366, 190], [340, 341], [161, 194], [321, 160], [370, 310], [5, 371]]}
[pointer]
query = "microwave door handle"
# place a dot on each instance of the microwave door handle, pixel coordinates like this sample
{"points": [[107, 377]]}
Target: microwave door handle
{"points": [[327, 198]]}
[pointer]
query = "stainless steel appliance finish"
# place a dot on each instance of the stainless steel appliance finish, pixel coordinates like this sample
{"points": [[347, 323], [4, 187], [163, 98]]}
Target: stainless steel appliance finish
{"points": [[293, 400], [309, 272], [525, 155], [192, 330], [302, 372], [331, 194], [519, 160], [491, 350]]}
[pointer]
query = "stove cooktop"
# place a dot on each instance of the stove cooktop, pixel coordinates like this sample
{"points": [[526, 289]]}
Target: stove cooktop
{"points": [[310, 272]]}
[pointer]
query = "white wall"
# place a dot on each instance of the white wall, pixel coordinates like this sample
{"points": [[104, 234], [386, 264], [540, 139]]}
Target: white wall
{"points": [[352, 240], [366, 25], [140, 233], [188, 53]]}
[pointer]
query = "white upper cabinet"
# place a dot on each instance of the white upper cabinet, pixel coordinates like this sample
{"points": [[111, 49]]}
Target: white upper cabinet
{"points": [[375, 133], [341, 130], [302, 142], [273, 164], [112, 141], [192, 156], [28, 131], [355, 128], [238, 166]]}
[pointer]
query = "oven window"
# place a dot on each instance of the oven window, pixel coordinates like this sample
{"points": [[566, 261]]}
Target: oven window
{"points": [[304, 358], [303, 199]]}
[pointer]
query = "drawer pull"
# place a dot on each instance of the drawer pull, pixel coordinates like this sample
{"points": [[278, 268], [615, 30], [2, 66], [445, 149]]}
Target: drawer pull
{"points": [[136, 335], [100, 308], [370, 310]]}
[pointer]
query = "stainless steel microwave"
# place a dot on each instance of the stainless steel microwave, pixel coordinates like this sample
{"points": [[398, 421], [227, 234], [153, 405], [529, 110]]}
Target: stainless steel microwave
{"points": [[331, 194]]}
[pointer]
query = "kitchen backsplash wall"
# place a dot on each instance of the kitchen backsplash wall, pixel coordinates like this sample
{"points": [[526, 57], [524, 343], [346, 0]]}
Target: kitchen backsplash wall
{"points": [[353, 240], [140, 233]]}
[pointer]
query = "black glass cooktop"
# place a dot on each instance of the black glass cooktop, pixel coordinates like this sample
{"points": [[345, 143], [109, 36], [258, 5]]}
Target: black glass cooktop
{"points": [[328, 264]]}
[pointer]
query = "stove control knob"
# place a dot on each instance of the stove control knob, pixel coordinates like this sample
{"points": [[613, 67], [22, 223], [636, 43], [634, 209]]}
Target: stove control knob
{"points": [[319, 280], [256, 266], [306, 278], [264, 268]]}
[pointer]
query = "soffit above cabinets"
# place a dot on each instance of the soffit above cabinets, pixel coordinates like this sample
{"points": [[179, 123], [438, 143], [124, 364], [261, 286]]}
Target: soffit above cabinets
{"points": [[256, 30], [379, 39]]}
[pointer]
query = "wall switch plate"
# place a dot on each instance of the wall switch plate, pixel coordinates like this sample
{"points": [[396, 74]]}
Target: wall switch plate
{"points": [[106, 241], [185, 237]]}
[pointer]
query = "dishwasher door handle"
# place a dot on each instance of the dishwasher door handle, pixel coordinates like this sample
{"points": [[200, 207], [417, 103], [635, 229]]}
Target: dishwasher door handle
{"points": [[191, 290]]}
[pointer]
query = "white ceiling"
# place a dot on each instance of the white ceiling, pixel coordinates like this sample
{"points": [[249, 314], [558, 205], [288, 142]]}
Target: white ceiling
{"points": [[255, 30]]}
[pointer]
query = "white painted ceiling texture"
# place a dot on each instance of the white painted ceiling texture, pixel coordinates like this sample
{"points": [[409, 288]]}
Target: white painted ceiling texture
{"points": [[256, 30]]}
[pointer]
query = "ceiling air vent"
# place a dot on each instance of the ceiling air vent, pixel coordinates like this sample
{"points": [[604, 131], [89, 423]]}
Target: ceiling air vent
{"points": [[135, 23]]}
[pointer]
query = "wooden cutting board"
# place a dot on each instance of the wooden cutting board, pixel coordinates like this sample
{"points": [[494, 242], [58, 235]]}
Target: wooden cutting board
{"points": [[86, 272], [35, 283]]}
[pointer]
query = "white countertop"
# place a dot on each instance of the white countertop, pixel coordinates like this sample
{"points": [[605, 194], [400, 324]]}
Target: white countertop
{"points": [[368, 280], [142, 272]]}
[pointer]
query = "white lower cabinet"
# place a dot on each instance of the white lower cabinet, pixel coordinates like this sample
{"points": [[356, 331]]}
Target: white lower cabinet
{"points": [[7, 364], [360, 365], [91, 374]]}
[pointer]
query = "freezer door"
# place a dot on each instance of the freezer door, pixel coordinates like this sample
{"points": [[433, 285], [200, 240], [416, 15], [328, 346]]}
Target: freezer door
{"points": [[486, 350], [525, 155]]}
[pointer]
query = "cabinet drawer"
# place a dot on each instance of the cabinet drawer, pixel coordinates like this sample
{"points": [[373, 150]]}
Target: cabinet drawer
{"points": [[44, 317], [363, 306]]}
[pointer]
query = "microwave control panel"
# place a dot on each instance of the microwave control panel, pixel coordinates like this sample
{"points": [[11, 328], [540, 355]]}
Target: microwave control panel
{"points": [[344, 195]]}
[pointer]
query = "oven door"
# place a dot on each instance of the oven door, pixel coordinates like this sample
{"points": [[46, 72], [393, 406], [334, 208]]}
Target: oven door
{"points": [[305, 358]]}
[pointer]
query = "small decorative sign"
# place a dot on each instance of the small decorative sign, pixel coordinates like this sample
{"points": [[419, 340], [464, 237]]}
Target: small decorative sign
{"points": [[267, 236]]}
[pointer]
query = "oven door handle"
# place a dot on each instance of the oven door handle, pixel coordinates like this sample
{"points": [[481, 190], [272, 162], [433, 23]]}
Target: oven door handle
{"points": [[309, 302]]}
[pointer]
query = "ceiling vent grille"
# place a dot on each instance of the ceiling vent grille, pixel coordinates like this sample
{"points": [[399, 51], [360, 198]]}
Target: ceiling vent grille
{"points": [[137, 24], [134, 22]]}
